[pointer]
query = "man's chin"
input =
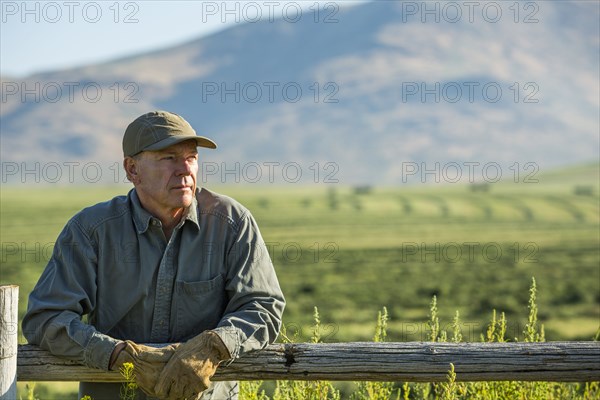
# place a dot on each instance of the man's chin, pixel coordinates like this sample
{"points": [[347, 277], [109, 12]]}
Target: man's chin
{"points": [[185, 200]]}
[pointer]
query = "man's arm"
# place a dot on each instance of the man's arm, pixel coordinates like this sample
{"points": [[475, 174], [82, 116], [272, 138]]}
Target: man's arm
{"points": [[64, 293], [254, 312]]}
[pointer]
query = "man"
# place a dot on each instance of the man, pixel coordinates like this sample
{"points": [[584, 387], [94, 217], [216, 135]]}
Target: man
{"points": [[169, 262]]}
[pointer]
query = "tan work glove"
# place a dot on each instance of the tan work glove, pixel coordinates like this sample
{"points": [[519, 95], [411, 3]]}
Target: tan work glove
{"points": [[188, 372], [148, 362]]}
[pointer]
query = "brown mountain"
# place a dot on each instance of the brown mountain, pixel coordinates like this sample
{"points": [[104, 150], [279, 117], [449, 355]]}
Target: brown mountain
{"points": [[376, 90]]}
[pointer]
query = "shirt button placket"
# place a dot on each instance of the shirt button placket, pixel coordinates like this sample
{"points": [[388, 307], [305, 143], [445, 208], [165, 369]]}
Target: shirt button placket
{"points": [[165, 286], [162, 307]]}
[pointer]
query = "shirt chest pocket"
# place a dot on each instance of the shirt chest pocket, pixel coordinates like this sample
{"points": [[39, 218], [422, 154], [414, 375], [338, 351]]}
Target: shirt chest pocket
{"points": [[199, 306]]}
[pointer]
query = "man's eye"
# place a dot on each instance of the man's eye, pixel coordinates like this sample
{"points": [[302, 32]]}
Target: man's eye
{"points": [[167, 158]]}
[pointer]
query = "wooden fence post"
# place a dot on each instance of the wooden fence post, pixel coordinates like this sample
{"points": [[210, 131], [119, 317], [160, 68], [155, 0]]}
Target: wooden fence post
{"points": [[9, 321]]}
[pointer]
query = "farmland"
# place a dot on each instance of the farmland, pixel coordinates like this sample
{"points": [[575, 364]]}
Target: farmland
{"points": [[351, 251]]}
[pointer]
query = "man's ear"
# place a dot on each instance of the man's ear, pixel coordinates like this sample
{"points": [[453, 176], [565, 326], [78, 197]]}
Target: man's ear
{"points": [[130, 166]]}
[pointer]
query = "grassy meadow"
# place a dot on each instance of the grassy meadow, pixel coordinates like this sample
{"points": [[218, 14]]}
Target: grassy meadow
{"points": [[353, 250]]}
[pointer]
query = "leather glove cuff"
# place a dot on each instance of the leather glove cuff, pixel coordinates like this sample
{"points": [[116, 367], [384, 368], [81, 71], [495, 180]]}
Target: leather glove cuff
{"points": [[220, 351]]}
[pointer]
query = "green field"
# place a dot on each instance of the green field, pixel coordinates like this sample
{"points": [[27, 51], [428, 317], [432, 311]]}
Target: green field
{"points": [[351, 251]]}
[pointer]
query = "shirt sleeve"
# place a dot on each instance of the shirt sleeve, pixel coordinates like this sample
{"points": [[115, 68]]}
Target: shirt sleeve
{"points": [[66, 292], [253, 314]]}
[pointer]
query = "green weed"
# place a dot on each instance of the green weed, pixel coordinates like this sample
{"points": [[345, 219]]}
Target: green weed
{"points": [[129, 387], [30, 392], [307, 390], [451, 389], [377, 390]]}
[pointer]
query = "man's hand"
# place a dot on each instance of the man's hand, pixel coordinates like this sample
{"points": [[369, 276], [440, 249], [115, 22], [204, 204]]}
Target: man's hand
{"points": [[188, 372], [148, 362]]}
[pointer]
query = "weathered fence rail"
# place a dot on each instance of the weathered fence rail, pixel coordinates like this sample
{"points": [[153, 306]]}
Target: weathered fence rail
{"points": [[358, 361], [361, 361]]}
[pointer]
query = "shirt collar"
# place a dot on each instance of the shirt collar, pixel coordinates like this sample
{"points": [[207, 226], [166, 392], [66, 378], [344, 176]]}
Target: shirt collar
{"points": [[143, 218], [191, 214]]}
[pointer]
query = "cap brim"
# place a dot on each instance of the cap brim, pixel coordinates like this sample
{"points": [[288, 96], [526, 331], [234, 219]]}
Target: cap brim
{"points": [[201, 141]]}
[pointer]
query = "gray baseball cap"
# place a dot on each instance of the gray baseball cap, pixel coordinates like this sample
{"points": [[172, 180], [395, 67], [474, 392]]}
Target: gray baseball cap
{"points": [[158, 130]]}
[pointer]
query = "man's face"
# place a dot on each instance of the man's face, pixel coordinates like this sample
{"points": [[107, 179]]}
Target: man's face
{"points": [[165, 180]]}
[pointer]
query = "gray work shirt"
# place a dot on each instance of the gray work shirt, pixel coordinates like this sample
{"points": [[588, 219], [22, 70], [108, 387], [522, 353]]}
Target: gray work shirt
{"points": [[113, 264]]}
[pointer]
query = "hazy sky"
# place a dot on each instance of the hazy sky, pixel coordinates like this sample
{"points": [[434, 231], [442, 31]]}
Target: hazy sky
{"points": [[38, 36]]}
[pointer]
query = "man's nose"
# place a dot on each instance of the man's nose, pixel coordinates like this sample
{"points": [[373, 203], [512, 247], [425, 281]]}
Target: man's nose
{"points": [[184, 167]]}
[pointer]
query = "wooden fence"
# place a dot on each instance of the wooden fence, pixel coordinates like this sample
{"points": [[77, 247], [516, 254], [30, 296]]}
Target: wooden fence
{"points": [[358, 361]]}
